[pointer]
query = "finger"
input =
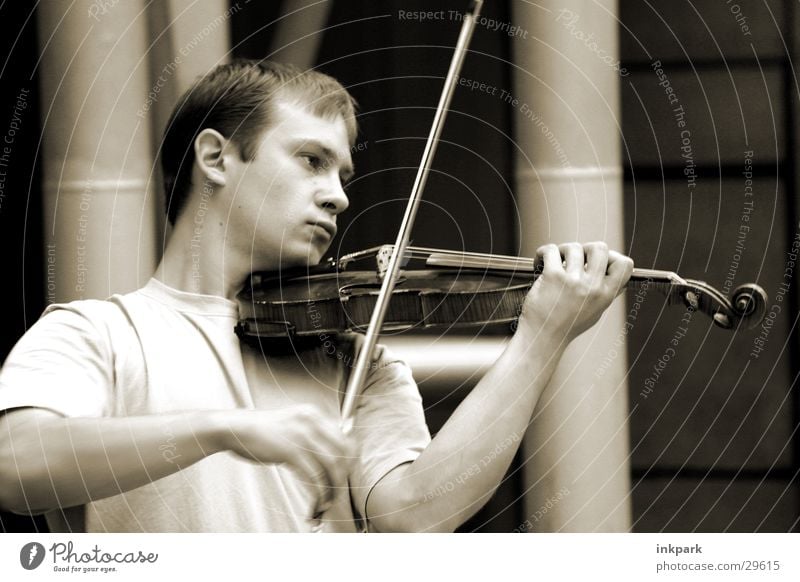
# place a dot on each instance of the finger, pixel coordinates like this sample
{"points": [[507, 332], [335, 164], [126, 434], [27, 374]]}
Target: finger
{"points": [[574, 257], [325, 490], [318, 461], [323, 441], [332, 440], [335, 452], [331, 464], [620, 269], [596, 258], [316, 476], [551, 257]]}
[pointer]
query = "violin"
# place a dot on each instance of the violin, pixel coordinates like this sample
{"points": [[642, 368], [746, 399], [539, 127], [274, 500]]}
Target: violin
{"points": [[438, 289]]}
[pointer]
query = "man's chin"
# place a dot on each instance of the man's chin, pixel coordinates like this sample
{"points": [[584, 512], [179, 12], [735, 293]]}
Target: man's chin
{"points": [[290, 257], [306, 260]]}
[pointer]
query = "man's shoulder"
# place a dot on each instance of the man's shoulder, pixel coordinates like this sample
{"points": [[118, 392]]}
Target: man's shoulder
{"points": [[98, 314], [87, 307], [99, 307], [70, 359]]}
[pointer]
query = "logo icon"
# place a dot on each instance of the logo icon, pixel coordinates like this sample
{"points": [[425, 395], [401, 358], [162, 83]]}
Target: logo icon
{"points": [[31, 555]]}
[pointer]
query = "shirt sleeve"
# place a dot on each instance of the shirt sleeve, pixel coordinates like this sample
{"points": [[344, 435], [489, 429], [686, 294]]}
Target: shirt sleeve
{"points": [[62, 363], [389, 425]]}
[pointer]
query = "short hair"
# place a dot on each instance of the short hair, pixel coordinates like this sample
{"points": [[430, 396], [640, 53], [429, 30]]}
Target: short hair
{"points": [[236, 100]]}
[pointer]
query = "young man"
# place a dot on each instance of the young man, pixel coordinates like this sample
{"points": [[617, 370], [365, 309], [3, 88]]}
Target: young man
{"points": [[144, 412]]}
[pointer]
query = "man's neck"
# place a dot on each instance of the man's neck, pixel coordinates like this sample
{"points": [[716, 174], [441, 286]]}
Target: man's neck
{"points": [[198, 260]]}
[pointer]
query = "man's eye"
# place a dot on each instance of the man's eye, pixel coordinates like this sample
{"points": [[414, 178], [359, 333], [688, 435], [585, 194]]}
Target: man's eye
{"points": [[313, 161]]}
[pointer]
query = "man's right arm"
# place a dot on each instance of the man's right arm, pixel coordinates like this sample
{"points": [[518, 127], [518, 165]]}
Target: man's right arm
{"points": [[49, 461]]}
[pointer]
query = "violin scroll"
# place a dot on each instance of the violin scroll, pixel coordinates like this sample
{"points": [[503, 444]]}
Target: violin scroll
{"points": [[750, 303], [746, 308]]}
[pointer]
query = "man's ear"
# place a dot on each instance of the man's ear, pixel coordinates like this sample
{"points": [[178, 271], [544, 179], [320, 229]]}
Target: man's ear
{"points": [[209, 154]]}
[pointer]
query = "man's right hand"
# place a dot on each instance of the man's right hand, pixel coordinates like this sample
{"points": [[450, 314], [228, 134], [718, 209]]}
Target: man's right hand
{"points": [[49, 461], [300, 436]]}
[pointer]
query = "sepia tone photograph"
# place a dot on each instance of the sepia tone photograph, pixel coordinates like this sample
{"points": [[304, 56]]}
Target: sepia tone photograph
{"points": [[493, 266]]}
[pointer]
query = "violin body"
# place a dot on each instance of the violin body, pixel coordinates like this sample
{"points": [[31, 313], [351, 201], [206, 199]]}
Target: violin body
{"points": [[439, 289], [337, 302]]}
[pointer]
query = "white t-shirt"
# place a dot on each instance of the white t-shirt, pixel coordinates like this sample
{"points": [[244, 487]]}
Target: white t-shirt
{"points": [[159, 350]]}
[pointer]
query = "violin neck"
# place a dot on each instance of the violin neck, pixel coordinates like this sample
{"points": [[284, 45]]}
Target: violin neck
{"points": [[453, 259], [668, 283]]}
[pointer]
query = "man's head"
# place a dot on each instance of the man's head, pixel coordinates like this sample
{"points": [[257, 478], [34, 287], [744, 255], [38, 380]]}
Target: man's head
{"points": [[238, 100]]}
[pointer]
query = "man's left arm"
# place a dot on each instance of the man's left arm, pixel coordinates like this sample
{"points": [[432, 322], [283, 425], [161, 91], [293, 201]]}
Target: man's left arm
{"points": [[462, 467]]}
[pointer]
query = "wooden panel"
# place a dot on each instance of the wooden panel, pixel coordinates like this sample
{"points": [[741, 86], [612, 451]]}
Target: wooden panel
{"points": [[703, 399], [724, 114], [684, 505], [700, 29]]}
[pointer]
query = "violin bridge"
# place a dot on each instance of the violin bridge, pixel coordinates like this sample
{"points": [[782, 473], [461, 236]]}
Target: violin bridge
{"points": [[381, 256], [382, 259]]}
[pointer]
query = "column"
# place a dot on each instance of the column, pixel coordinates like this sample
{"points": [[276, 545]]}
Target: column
{"points": [[569, 184]]}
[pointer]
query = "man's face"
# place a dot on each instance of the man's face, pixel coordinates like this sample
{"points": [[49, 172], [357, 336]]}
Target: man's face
{"points": [[285, 200]]}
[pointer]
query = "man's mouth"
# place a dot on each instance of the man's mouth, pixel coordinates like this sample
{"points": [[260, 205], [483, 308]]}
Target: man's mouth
{"points": [[326, 225]]}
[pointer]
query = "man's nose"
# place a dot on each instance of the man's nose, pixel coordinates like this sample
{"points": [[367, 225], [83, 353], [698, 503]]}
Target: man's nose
{"points": [[334, 199]]}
